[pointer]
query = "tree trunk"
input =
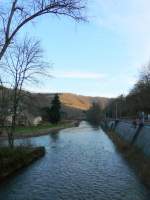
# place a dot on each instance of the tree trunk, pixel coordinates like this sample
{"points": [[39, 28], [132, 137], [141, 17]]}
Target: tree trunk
{"points": [[12, 131], [13, 124]]}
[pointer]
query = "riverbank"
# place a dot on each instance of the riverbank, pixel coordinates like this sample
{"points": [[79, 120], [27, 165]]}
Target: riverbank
{"points": [[35, 131], [134, 156], [81, 163], [11, 160]]}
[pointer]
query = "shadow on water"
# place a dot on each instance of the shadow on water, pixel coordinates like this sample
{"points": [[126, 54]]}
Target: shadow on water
{"points": [[54, 136], [95, 126]]}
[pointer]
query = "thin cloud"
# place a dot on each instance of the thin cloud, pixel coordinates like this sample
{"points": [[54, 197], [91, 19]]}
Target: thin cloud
{"points": [[130, 20], [128, 16], [79, 75]]}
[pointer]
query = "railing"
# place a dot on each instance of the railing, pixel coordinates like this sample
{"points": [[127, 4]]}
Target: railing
{"points": [[129, 120]]}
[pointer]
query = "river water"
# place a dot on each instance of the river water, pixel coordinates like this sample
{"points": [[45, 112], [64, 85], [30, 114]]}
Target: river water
{"points": [[81, 163]]}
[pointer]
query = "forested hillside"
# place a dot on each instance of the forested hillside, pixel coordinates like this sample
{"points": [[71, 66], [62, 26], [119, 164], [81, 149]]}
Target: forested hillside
{"points": [[72, 105]]}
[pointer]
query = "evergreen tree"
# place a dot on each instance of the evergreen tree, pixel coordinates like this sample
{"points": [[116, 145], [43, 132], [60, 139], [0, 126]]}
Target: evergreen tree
{"points": [[55, 114]]}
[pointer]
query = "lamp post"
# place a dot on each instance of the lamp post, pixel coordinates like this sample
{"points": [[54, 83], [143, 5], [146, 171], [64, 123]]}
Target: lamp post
{"points": [[116, 110]]}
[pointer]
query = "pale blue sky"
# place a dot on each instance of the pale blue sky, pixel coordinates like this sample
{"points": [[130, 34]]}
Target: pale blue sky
{"points": [[99, 58]]}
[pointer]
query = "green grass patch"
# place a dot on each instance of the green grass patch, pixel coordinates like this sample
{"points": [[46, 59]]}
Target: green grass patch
{"points": [[13, 159], [24, 130], [6, 152]]}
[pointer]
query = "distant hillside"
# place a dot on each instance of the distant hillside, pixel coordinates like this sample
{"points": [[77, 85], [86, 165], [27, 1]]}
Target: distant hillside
{"points": [[73, 106], [82, 102]]}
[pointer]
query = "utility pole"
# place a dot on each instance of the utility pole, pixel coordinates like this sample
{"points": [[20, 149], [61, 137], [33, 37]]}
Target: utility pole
{"points": [[116, 110]]}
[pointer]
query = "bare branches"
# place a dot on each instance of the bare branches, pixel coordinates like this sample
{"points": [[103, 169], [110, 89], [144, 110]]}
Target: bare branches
{"points": [[21, 12], [22, 63], [145, 74], [12, 11]]}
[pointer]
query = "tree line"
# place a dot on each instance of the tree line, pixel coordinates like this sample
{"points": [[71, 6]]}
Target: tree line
{"points": [[138, 99], [129, 106]]}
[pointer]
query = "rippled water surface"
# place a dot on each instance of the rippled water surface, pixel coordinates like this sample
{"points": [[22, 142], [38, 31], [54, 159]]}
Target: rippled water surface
{"points": [[80, 164]]}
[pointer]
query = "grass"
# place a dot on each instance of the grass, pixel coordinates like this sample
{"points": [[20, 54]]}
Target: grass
{"points": [[17, 158], [22, 130], [42, 129], [7, 153]]}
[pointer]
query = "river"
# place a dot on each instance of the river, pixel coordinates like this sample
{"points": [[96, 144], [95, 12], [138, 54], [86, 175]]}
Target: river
{"points": [[81, 163]]}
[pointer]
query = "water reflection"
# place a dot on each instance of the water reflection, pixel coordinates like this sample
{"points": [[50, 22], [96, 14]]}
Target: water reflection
{"points": [[24, 142], [80, 164], [94, 125], [54, 136]]}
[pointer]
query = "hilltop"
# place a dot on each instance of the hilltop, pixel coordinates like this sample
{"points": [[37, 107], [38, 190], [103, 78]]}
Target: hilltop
{"points": [[72, 104]]}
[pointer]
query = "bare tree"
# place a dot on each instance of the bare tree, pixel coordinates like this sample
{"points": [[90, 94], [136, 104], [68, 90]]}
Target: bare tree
{"points": [[22, 63], [14, 14], [145, 75]]}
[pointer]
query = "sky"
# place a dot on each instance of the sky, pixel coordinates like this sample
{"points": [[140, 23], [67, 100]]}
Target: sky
{"points": [[102, 57]]}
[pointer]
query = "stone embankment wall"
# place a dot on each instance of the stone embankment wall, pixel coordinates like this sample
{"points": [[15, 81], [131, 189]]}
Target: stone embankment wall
{"points": [[133, 135]]}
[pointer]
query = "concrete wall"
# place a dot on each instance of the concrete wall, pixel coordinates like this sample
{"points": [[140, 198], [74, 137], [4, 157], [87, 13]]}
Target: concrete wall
{"points": [[143, 141], [127, 131]]}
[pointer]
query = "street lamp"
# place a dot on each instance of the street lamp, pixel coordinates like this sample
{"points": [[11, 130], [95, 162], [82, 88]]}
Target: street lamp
{"points": [[116, 110]]}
